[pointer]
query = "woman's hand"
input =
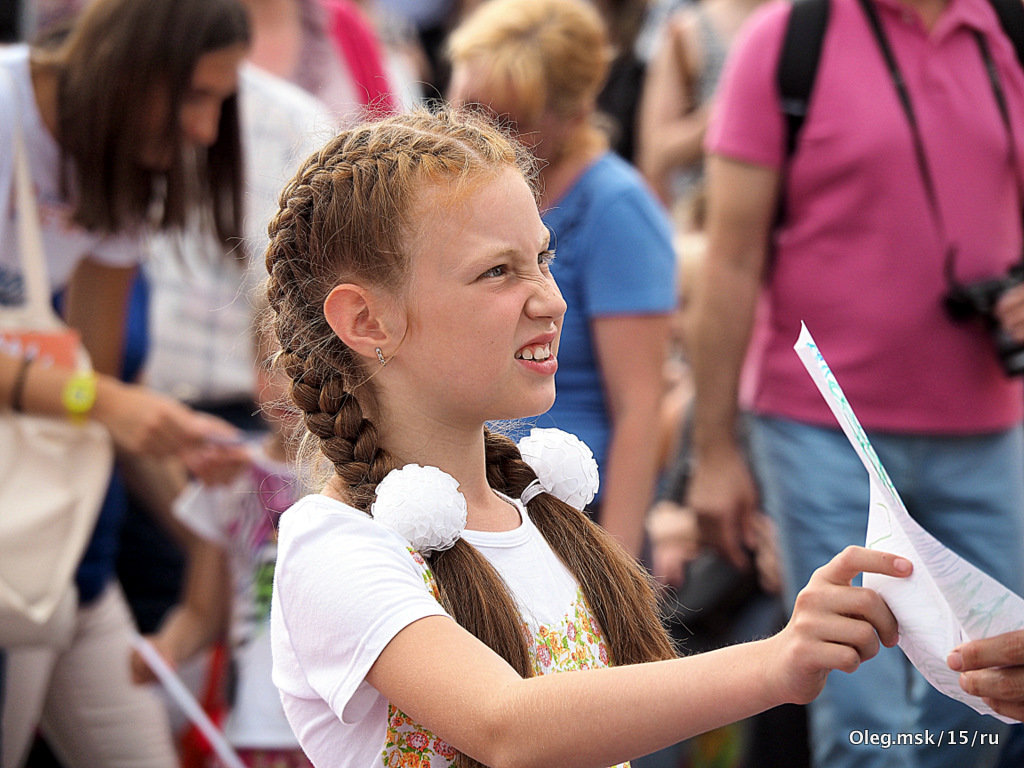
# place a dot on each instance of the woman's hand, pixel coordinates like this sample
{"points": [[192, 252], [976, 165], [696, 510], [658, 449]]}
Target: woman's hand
{"points": [[835, 625], [145, 422]]}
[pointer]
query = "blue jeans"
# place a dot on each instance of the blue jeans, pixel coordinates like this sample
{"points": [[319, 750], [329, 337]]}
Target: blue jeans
{"points": [[966, 491]]}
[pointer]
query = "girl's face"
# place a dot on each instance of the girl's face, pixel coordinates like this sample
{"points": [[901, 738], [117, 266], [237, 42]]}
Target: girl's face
{"points": [[214, 79], [483, 313]]}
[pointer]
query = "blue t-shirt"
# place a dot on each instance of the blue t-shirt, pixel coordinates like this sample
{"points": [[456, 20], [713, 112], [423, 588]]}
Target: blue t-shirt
{"points": [[614, 256]]}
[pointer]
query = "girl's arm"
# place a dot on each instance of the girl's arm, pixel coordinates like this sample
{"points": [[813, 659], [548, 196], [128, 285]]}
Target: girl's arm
{"points": [[631, 354], [201, 617], [448, 681]]}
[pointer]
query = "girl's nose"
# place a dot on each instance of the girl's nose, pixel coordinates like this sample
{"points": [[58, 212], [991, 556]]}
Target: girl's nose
{"points": [[546, 300]]}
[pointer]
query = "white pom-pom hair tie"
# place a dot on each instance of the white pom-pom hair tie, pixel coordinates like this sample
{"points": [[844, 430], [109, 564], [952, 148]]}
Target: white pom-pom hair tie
{"points": [[565, 467], [423, 505]]}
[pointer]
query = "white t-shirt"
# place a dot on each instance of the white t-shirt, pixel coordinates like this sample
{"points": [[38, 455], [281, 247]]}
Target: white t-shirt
{"points": [[346, 585], [202, 301], [241, 517], [64, 244]]}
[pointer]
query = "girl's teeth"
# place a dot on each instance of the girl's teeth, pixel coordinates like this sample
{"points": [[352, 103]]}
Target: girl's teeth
{"points": [[535, 353]]}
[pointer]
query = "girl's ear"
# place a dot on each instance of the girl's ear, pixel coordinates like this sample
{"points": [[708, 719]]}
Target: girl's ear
{"points": [[361, 318]]}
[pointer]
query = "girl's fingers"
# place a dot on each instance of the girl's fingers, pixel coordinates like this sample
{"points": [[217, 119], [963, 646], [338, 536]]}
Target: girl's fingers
{"points": [[855, 634], [842, 568], [852, 616]]}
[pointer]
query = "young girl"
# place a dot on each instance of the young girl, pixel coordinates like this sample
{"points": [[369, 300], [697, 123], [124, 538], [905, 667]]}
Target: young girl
{"points": [[421, 599]]}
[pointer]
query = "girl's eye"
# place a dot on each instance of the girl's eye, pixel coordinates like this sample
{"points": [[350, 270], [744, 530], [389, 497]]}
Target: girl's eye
{"points": [[494, 271], [546, 257]]}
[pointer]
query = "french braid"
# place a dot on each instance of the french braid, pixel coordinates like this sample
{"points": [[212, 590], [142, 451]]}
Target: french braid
{"points": [[341, 218]]}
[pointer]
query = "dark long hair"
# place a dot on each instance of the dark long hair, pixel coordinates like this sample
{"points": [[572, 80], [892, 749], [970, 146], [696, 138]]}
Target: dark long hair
{"points": [[114, 57], [342, 217]]}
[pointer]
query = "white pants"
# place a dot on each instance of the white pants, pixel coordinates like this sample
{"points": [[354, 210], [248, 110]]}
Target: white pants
{"points": [[83, 697]]}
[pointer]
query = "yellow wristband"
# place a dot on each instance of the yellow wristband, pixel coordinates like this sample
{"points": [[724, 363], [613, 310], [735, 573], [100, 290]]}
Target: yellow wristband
{"points": [[79, 394]]}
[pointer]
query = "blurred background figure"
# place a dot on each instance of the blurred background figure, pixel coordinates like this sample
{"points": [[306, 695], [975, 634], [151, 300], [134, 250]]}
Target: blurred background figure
{"points": [[619, 97], [429, 22], [330, 48], [678, 88], [202, 301], [928, 199], [111, 160], [326, 47], [189, 332], [539, 64], [231, 556], [709, 603]]}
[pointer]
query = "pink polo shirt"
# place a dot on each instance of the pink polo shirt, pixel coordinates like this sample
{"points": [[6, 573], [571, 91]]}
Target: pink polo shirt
{"points": [[861, 259]]}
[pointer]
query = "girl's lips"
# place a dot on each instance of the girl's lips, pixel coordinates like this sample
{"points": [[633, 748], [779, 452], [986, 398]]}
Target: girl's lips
{"points": [[547, 366]]}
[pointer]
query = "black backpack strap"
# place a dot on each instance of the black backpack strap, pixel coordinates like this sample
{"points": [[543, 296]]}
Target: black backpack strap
{"points": [[1011, 18], [798, 62]]}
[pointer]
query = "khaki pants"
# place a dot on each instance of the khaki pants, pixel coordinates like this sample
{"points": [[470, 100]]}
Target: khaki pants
{"points": [[82, 696]]}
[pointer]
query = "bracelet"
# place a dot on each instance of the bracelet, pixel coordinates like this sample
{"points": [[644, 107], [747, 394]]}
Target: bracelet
{"points": [[79, 394], [18, 388]]}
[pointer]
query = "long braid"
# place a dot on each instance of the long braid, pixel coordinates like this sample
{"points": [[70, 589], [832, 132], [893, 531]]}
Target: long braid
{"points": [[619, 591]]}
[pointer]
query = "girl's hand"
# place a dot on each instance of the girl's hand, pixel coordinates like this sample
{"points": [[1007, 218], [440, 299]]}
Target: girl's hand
{"points": [[835, 625]]}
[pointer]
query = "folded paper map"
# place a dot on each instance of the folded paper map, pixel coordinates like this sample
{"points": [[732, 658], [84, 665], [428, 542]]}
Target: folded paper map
{"points": [[946, 600]]}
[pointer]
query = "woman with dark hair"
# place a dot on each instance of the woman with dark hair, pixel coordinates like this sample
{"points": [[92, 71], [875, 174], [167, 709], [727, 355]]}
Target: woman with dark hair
{"points": [[130, 124]]}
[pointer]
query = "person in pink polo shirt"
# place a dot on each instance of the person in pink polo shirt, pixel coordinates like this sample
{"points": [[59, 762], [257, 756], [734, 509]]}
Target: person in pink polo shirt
{"points": [[874, 236]]}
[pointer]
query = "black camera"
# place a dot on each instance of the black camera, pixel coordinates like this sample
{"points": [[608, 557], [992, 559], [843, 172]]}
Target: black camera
{"points": [[969, 301]]}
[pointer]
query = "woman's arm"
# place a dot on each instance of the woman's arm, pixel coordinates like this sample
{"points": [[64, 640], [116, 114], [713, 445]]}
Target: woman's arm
{"points": [[96, 305], [444, 678], [671, 123], [139, 420], [631, 354]]}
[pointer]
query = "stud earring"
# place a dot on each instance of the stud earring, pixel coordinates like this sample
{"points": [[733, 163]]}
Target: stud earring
{"points": [[380, 356]]}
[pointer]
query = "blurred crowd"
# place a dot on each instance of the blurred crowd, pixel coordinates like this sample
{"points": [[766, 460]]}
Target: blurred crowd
{"points": [[690, 244]]}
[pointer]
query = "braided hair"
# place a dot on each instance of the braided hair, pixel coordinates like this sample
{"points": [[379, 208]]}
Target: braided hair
{"points": [[342, 219]]}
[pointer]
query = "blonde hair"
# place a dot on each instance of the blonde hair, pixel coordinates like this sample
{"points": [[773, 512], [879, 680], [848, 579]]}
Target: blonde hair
{"points": [[541, 55], [343, 218]]}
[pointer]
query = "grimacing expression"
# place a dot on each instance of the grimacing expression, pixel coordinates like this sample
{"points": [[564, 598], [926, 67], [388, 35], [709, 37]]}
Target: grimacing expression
{"points": [[483, 311]]}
